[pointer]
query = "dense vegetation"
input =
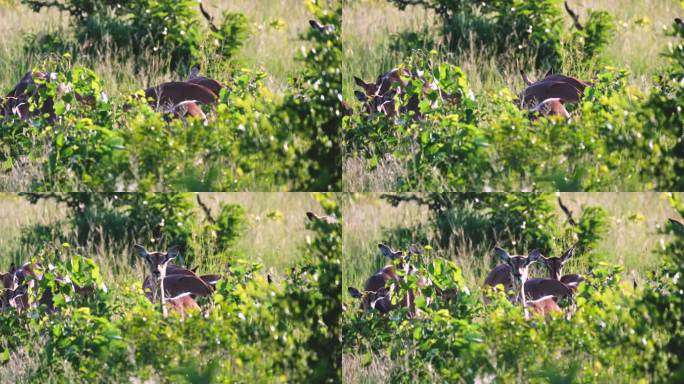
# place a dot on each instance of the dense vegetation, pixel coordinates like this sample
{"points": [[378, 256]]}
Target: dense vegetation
{"points": [[255, 138], [618, 137], [256, 328], [614, 330]]}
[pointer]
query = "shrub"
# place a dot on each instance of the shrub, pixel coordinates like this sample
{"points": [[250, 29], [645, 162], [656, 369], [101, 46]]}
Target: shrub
{"points": [[159, 30], [313, 106], [524, 29]]}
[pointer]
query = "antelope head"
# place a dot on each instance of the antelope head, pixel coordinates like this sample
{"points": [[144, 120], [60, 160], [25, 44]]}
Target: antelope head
{"points": [[519, 264], [555, 264], [157, 261]]}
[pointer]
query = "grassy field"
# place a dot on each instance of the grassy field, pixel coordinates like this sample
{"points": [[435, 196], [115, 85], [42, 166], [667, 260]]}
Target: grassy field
{"points": [[273, 236], [271, 45], [370, 26], [255, 325]]}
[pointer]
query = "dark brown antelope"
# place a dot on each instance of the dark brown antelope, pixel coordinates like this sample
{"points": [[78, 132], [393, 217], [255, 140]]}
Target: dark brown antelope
{"points": [[17, 102], [381, 96], [536, 290], [19, 281], [378, 289], [555, 268], [549, 95], [168, 95], [167, 280], [213, 85], [328, 219], [326, 29]]}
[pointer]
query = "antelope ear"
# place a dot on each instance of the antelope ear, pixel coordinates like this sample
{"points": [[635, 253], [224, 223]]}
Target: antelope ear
{"points": [[416, 249], [173, 252], [354, 292], [360, 82], [316, 25], [567, 255], [387, 252], [140, 250], [503, 255], [534, 256]]}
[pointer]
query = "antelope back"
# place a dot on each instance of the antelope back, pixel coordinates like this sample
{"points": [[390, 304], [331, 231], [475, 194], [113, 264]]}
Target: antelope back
{"points": [[211, 84], [501, 274], [173, 93], [537, 288]]}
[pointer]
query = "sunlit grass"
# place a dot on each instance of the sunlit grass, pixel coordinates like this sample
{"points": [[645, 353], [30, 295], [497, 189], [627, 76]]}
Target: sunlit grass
{"points": [[275, 232], [272, 45]]}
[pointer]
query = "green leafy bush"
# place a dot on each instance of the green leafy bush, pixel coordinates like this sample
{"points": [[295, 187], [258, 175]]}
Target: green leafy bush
{"points": [[159, 30], [517, 28], [459, 339], [118, 220], [313, 106], [249, 144]]}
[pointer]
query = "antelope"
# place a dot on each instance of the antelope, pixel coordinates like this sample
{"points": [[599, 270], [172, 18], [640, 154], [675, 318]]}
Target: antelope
{"points": [[380, 96], [376, 294], [555, 268], [169, 280], [175, 92], [544, 305], [552, 107], [325, 29], [213, 85], [536, 290], [17, 288], [182, 304], [17, 101], [549, 95]]}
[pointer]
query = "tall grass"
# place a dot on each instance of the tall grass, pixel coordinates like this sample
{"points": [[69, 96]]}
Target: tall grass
{"points": [[274, 235], [371, 25], [271, 46], [634, 223]]}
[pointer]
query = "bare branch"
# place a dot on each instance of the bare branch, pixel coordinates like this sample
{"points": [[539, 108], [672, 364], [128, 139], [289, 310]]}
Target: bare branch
{"points": [[206, 210], [567, 211], [209, 18], [575, 17]]}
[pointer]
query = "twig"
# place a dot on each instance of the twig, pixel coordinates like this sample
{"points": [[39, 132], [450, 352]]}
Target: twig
{"points": [[567, 211], [206, 210], [209, 18], [575, 17]]}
